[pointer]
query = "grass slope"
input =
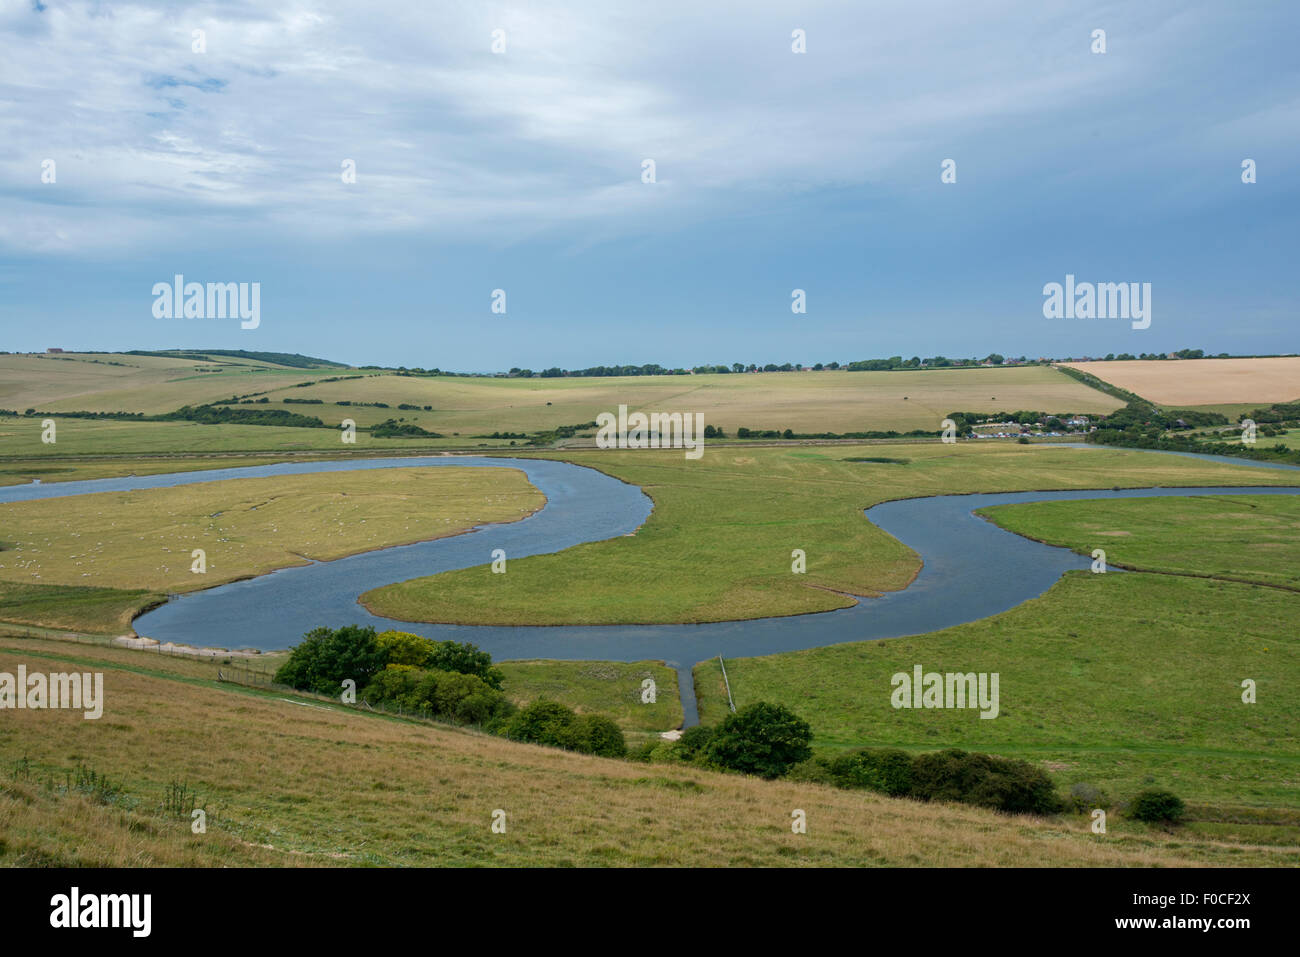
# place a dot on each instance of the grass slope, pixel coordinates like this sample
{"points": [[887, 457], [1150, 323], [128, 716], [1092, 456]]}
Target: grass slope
{"points": [[293, 782]]}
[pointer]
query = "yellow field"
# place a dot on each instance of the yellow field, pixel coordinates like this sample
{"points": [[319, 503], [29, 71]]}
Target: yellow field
{"points": [[298, 782], [1188, 382], [144, 539], [802, 401]]}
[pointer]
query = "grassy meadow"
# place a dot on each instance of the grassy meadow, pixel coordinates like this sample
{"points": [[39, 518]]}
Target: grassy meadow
{"points": [[718, 544], [1237, 538]]}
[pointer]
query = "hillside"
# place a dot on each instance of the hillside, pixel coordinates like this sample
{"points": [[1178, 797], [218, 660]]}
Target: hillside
{"points": [[405, 793]]}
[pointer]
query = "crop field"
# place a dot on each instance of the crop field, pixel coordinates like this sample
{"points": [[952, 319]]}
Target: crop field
{"points": [[1204, 383]]}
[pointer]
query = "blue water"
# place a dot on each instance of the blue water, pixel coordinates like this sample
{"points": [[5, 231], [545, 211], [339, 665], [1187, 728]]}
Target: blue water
{"points": [[972, 569]]}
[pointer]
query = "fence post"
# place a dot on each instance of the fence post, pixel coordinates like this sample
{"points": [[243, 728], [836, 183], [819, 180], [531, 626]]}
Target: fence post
{"points": [[730, 702]]}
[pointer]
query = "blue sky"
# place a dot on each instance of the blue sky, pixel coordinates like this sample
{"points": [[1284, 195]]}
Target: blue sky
{"points": [[775, 171]]}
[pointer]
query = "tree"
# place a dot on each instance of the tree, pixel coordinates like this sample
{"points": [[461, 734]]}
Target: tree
{"points": [[466, 659], [763, 739], [325, 658], [404, 648]]}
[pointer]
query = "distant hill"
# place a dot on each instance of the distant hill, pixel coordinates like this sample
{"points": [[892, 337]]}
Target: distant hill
{"points": [[290, 359]]}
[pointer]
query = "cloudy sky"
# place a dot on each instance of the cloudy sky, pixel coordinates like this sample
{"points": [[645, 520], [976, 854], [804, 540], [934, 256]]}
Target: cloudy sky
{"points": [[521, 170]]}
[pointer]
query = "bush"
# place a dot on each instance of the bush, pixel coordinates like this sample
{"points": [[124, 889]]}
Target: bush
{"points": [[404, 648], [695, 740], [1016, 787], [1157, 807], [1084, 797], [763, 739], [596, 734], [542, 722], [887, 770], [325, 658], [549, 722], [812, 771]]}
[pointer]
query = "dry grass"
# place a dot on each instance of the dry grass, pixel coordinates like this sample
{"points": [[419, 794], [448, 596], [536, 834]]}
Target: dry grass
{"points": [[1199, 382], [327, 786]]}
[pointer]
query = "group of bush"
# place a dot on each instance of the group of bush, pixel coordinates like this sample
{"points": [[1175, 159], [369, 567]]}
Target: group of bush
{"points": [[446, 680], [456, 682], [771, 741]]}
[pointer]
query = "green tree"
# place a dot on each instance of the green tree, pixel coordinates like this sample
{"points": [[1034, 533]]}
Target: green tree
{"points": [[326, 657], [763, 739]]}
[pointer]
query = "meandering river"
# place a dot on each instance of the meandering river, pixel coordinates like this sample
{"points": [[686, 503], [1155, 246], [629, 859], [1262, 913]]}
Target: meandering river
{"points": [[972, 569]]}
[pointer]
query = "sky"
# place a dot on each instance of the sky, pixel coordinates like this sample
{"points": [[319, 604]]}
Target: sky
{"points": [[220, 156]]}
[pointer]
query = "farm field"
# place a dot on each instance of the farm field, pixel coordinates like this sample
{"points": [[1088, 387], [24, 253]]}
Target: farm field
{"points": [[828, 401], [141, 542], [462, 409], [407, 793], [717, 546], [1203, 383]]}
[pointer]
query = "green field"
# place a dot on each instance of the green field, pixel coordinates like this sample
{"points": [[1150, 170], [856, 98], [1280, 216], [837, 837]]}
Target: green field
{"points": [[1237, 538], [1121, 681], [718, 544]]}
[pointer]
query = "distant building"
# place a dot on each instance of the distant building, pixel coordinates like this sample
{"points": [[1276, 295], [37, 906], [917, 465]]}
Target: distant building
{"points": [[53, 350]]}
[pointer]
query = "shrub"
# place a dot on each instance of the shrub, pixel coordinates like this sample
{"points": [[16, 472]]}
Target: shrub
{"points": [[597, 734], [644, 751], [1084, 797], [466, 699], [887, 770], [984, 780], [813, 771], [1156, 806], [549, 722], [326, 657], [695, 740], [763, 739], [543, 722]]}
